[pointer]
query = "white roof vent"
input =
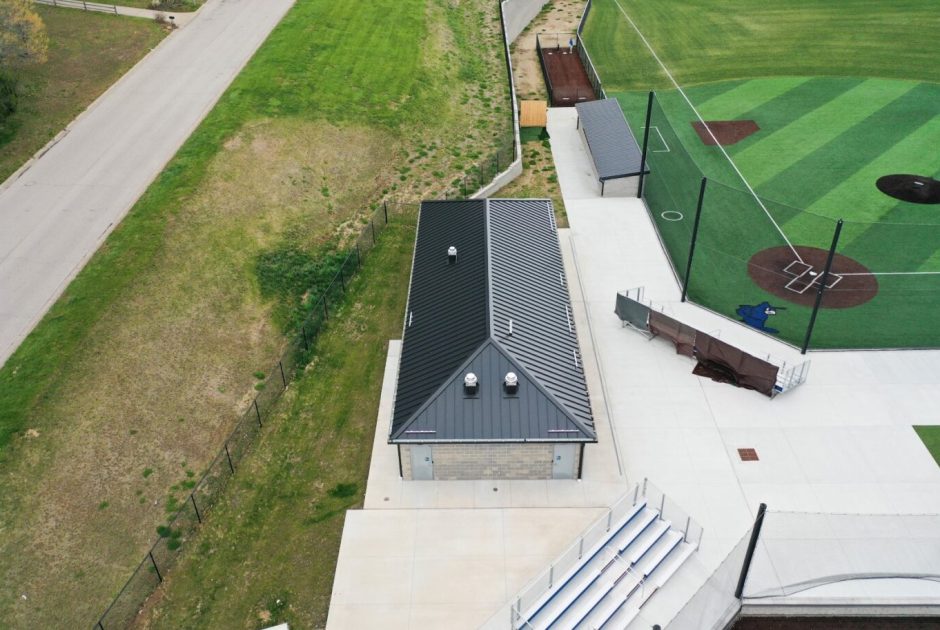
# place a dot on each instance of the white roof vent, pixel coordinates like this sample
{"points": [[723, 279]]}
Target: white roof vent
{"points": [[470, 383], [452, 254], [511, 382]]}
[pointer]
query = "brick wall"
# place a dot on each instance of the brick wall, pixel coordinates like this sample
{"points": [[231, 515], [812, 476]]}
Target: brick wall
{"points": [[488, 461]]}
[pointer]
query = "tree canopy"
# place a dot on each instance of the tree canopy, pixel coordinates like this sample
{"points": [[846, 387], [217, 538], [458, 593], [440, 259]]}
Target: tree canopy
{"points": [[23, 37]]}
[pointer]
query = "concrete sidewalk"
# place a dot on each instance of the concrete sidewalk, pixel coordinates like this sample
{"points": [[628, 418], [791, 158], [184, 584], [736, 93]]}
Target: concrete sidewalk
{"points": [[842, 442], [56, 212]]}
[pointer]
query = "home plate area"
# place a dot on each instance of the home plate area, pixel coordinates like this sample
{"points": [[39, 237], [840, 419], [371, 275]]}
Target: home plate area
{"points": [[805, 276], [795, 274]]}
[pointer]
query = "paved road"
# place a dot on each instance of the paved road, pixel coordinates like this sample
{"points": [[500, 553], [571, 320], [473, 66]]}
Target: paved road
{"points": [[54, 215]]}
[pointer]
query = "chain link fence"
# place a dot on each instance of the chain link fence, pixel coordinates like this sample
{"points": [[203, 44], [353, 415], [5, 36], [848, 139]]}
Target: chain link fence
{"points": [[174, 536]]}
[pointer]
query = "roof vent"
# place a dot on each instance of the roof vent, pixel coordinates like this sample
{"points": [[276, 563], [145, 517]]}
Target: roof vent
{"points": [[470, 384], [511, 383], [452, 254]]}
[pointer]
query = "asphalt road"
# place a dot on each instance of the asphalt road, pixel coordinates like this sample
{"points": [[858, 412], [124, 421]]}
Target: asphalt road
{"points": [[56, 213]]}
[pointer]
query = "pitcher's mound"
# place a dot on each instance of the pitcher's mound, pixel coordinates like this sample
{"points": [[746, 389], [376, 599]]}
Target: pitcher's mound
{"points": [[779, 272], [912, 188], [725, 131]]}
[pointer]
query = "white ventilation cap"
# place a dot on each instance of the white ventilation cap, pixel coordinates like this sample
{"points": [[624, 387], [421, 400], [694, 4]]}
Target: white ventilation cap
{"points": [[452, 251], [511, 379], [470, 380]]}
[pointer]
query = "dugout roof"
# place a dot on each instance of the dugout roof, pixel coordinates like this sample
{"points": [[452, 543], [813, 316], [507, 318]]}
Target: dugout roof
{"points": [[501, 307], [613, 147]]}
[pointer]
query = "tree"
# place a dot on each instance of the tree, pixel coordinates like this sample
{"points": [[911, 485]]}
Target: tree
{"points": [[22, 35]]}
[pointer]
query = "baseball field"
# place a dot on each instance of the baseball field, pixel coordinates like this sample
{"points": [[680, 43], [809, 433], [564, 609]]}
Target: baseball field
{"points": [[798, 114]]}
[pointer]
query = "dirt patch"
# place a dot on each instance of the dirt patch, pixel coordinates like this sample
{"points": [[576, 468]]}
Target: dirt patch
{"points": [[777, 271], [912, 188], [558, 16], [727, 132], [569, 79], [166, 371]]}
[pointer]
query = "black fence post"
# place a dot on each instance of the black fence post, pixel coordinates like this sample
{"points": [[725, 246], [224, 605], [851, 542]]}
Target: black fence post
{"points": [[751, 545], [698, 216], [228, 456], [385, 208], [258, 413], [822, 286], [155, 567], [303, 331], [280, 366], [372, 223], [195, 507], [646, 139]]}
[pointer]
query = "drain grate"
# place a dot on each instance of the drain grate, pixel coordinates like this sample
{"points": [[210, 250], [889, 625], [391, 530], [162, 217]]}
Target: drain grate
{"points": [[748, 454]]}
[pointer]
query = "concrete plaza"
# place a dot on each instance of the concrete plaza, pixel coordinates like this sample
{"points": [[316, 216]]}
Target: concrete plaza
{"points": [[842, 442]]}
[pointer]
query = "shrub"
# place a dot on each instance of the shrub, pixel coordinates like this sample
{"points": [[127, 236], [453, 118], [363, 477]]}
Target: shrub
{"points": [[8, 97]]}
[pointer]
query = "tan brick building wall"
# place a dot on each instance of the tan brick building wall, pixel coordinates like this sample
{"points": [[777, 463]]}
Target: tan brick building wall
{"points": [[489, 461]]}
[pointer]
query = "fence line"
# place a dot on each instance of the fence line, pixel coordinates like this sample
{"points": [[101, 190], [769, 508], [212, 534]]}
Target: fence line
{"points": [[204, 495], [80, 4], [163, 554]]}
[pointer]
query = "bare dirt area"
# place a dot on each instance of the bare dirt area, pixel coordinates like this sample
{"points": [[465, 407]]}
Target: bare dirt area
{"points": [[726, 132], [165, 375], [777, 271], [558, 16]]}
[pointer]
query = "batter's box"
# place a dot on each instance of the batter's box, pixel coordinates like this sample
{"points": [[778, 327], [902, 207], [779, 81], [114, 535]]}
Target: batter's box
{"points": [[805, 277]]}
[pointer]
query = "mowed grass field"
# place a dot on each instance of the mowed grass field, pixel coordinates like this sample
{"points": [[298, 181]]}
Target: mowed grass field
{"points": [[822, 144], [128, 387]]}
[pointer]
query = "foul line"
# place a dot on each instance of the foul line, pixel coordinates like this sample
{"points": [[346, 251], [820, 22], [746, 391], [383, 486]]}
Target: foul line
{"points": [[707, 128], [894, 273]]}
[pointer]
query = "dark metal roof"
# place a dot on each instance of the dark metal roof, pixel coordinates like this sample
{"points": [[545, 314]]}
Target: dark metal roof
{"points": [[508, 267], [528, 286], [613, 147], [446, 319]]}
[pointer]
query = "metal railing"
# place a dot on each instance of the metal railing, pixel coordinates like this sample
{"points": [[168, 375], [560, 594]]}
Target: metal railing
{"points": [[80, 4], [593, 540]]}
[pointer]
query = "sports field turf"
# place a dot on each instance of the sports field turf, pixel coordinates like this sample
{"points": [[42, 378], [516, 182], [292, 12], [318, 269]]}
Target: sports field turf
{"points": [[823, 142]]}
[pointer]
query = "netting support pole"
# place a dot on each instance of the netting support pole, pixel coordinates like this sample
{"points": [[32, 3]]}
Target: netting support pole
{"points": [[751, 545], [155, 567], [822, 286], [646, 140], [698, 216]]}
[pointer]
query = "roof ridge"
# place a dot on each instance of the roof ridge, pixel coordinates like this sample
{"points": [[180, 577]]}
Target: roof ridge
{"points": [[490, 319]]}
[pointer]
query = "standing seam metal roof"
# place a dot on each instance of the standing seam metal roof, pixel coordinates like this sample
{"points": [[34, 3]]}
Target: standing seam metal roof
{"points": [[508, 266], [613, 147]]}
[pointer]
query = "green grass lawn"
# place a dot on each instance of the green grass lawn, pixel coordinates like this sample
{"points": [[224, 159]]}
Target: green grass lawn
{"points": [[822, 143], [716, 40], [53, 93], [275, 536], [140, 370], [931, 437]]}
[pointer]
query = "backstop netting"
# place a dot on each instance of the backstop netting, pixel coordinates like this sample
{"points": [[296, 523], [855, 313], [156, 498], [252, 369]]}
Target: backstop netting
{"points": [[755, 253]]}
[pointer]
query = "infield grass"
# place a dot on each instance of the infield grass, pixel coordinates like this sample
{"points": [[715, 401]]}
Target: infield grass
{"points": [[139, 371], [822, 144]]}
